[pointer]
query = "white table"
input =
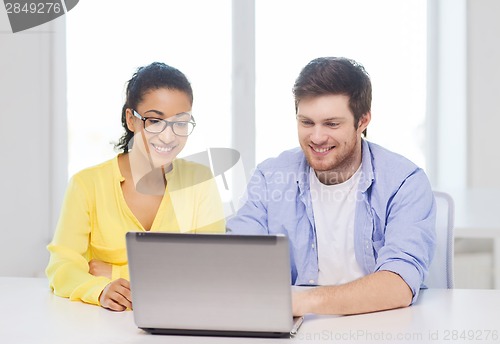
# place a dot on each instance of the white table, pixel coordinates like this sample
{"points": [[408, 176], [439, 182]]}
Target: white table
{"points": [[32, 314], [477, 215]]}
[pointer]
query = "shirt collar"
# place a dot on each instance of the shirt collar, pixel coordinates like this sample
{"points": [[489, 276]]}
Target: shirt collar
{"points": [[303, 175], [367, 176]]}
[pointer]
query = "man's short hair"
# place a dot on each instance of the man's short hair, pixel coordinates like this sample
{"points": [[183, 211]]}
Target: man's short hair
{"points": [[335, 75]]}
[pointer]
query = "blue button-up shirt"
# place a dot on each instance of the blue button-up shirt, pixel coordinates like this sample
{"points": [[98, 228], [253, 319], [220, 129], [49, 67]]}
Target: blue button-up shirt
{"points": [[394, 225]]}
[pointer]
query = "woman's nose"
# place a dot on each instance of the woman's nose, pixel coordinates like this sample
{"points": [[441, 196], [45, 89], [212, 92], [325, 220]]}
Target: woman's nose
{"points": [[167, 135]]}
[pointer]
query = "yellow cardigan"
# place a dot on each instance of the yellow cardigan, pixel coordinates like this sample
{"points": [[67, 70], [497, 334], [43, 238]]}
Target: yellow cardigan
{"points": [[95, 218]]}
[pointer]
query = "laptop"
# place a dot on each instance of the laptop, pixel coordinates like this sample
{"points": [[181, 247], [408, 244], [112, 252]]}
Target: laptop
{"points": [[211, 284]]}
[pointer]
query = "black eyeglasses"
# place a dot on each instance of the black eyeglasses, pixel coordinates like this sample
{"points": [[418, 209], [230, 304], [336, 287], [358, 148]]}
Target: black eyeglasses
{"points": [[157, 125]]}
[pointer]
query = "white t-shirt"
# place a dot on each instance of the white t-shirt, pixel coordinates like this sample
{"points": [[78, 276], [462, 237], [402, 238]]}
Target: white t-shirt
{"points": [[334, 209]]}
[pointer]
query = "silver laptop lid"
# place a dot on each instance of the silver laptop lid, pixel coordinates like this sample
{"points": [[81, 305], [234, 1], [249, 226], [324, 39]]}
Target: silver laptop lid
{"points": [[210, 282]]}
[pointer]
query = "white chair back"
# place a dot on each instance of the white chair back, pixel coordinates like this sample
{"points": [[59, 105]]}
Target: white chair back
{"points": [[441, 268]]}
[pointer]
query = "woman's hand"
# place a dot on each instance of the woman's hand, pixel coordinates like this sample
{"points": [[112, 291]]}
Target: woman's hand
{"points": [[117, 296], [99, 268]]}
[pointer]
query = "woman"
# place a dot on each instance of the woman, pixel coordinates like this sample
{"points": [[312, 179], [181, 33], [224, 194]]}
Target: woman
{"points": [[141, 189]]}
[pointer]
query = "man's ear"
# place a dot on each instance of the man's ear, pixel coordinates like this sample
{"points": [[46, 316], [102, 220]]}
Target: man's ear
{"points": [[130, 120], [364, 121]]}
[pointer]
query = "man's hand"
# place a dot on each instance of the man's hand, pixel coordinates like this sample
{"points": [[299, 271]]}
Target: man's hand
{"points": [[99, 268], [375, 292], [117, 296]]}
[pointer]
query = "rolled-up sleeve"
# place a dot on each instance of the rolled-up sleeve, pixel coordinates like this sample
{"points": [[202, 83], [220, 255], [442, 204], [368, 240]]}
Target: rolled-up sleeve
{"points": [[409, 241]]}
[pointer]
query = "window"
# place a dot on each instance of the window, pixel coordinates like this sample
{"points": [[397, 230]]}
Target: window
{"points": [[387, 36], [108, 40]]}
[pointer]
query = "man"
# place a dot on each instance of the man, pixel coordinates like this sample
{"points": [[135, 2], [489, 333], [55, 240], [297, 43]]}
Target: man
{"points": [[360, 219]]}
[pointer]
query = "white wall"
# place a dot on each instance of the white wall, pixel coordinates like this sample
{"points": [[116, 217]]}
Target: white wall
{"points": [[33, 170], [446, 146], [483, 74], [463, 88]]}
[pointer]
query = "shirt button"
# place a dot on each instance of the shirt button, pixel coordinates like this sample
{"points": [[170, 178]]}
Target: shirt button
{"points": [[311, 281], [313, 246]]}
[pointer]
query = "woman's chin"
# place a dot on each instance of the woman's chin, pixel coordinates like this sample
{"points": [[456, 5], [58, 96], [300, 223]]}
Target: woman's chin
{"points": [[163, 162]]}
